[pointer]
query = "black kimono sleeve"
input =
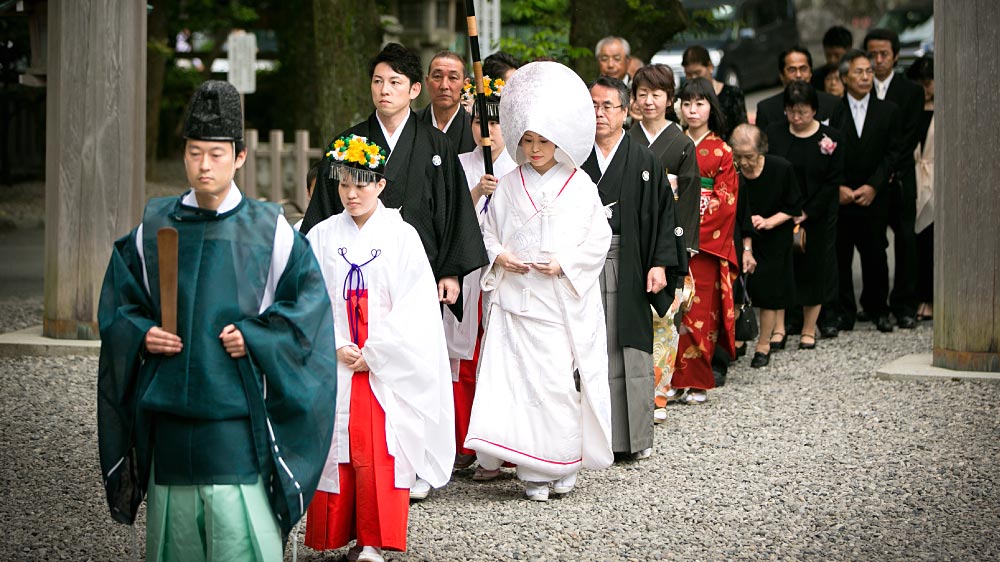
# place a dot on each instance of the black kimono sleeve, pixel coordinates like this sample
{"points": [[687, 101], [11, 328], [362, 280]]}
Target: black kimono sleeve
{"points": [[688, 209]]}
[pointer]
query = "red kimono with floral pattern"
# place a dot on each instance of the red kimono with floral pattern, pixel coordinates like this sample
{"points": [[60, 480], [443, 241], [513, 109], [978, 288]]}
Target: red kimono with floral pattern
{"points": [[712, 317]]}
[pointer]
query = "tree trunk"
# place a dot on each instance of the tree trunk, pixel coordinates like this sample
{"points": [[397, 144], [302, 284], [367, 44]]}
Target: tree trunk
{"points": [[347, 36], [95, 124], [966, 187], [157, 55], [293, 25]]}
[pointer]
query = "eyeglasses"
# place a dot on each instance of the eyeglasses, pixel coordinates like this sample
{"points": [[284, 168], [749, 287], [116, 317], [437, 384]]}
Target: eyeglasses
{"points": [[606, 58], [606, 107], [799, 112], [862, 71]]}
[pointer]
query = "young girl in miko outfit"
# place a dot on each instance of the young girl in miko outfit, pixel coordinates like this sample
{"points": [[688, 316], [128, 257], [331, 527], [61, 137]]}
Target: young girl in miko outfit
{"points": [[394, 413], [542, 399]]}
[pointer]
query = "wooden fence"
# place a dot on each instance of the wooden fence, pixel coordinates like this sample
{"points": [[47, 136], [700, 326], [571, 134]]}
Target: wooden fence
{"points": [[275, 151]]}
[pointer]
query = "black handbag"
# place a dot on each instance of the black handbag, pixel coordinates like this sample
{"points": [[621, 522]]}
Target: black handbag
{"points": [[799, 238], [746, 322]]}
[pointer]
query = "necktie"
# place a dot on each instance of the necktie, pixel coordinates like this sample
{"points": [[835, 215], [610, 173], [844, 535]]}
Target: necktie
{"points": [[859, 121]]}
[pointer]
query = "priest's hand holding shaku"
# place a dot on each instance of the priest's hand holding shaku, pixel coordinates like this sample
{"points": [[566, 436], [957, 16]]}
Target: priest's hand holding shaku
{"points": [[232, 340], [161, 341], [352, 357]]}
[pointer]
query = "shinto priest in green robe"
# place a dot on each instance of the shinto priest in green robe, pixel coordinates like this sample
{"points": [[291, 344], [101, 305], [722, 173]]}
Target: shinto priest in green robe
{"points": [[201, 417]]}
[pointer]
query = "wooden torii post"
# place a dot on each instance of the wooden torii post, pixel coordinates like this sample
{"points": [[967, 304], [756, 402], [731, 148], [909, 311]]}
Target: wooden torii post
{"points": [[95, 151], [967, 186]]}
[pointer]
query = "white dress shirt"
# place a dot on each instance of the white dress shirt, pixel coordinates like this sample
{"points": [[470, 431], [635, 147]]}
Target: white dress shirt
{"points": [[859, 109], [882, 87]]}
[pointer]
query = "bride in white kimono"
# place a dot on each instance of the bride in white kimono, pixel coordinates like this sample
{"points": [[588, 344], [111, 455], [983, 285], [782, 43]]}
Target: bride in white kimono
{"points": [[542, 398]]}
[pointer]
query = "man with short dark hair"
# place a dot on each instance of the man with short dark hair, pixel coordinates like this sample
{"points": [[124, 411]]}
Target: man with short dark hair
{"points": [[425, 179], [836, 41], [500, 64], [646, 260], [870, 131], [445, 78], [613, 54], [882, 46], [796, 64], [183, 411]]}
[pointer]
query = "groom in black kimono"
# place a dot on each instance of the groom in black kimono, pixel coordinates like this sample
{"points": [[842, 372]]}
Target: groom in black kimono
{"points": [[646, 261], [425, 179]]}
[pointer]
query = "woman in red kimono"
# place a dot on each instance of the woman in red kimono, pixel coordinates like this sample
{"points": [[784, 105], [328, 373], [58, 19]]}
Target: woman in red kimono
{"points": [[711, 319]]}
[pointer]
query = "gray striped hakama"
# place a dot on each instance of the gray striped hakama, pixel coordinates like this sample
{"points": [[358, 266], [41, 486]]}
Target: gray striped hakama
{"points": [[630, 372]]}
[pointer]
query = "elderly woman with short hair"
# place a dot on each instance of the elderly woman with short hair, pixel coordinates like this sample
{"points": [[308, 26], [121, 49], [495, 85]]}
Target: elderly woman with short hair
{"points": [[773, 200]]}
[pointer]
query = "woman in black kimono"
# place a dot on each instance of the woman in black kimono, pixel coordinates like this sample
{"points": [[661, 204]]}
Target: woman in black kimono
{"points": [[773, 200], [811, 147]]}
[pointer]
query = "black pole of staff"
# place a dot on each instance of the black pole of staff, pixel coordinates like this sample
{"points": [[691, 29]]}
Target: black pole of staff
{"points": [[477, 67]]}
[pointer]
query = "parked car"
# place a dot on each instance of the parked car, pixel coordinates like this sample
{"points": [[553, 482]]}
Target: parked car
{"points": [[915, 26], [744, 39]]}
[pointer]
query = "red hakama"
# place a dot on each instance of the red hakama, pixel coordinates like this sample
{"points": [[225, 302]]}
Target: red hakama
{"points": [[464, 390], [369, 507]]}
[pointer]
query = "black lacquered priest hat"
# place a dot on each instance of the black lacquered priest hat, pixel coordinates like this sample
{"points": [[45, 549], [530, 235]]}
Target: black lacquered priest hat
{"points": [[215, 113]]}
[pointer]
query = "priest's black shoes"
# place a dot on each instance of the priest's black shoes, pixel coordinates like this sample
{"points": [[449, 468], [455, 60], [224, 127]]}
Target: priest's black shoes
{"points": [[829, 332], [907, 322], [760, 360], [883, 324]]}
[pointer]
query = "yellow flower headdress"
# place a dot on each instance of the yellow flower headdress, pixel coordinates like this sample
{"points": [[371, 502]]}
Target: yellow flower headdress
{"points": [[493, 88], [364, 160]]}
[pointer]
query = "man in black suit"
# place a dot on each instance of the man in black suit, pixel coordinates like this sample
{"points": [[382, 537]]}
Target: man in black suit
{"points": [[445, 78], [796, 64], [882, 46], [870, 131], [836, 41]]}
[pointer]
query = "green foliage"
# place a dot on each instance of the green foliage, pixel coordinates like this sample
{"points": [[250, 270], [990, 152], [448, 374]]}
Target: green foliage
{"points": [[544, 43], [537, 28], [543, 13], [212, 15], [178, 86]]}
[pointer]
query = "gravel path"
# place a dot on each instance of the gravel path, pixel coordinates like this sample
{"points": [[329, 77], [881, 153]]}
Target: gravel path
{"points": [[809, 459]]}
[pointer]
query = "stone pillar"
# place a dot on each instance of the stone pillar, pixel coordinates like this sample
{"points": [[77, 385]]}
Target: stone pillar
{"points": [[95, 155], [967, 186]]}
